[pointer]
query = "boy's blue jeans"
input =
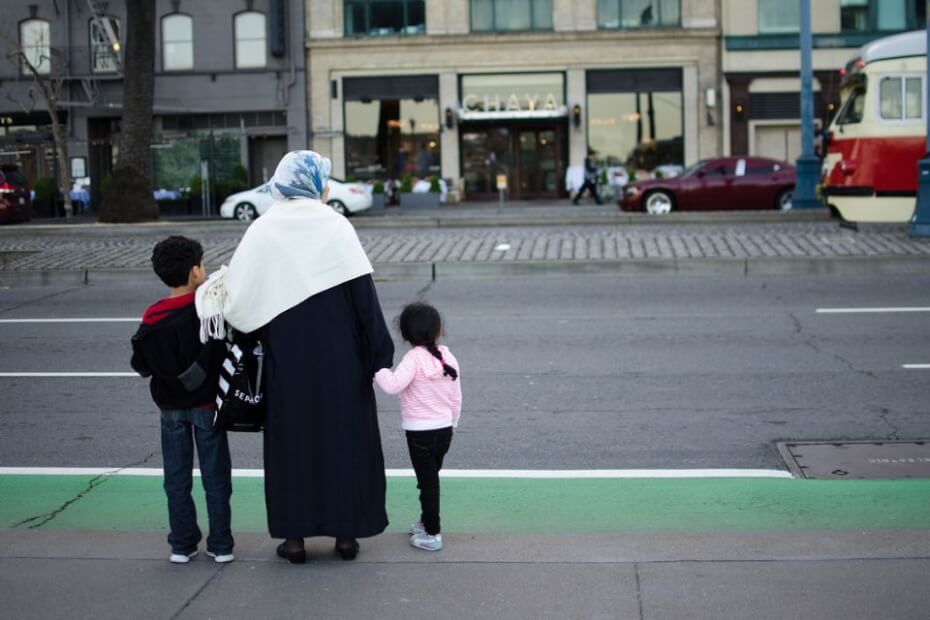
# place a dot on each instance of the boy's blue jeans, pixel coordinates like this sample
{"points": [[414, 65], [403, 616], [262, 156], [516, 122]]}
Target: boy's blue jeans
{"points": [[180, 430]]}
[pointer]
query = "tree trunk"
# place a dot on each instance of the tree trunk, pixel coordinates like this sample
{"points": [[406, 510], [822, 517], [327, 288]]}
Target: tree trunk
{"points": [[129, 198], [61, 152]]}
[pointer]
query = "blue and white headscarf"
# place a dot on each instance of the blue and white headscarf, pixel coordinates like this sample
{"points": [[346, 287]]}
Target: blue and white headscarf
{"points": [[301, 174]]}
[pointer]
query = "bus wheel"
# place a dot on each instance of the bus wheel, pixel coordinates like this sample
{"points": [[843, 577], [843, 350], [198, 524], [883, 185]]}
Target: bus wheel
{"points": [[783, 202]]}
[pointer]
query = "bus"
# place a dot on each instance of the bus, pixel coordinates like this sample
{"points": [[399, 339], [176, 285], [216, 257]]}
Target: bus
{"points": [[873, 144]]}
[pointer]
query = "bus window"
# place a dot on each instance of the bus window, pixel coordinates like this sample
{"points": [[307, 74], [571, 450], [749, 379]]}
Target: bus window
{"points": [[913, 98], [889, 103], [852, 110]]}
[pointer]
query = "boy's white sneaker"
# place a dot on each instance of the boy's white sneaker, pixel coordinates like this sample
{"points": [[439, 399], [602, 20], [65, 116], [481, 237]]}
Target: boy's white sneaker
{"points": [[181, 558], [417, 528], [222, 558], [426, 542]]}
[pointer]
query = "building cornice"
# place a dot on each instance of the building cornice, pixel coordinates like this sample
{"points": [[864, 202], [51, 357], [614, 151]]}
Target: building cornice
{"points": [[653, 35]]}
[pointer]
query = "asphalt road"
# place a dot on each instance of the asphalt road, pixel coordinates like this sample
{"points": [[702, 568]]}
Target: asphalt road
{"points": [[584, 372]]}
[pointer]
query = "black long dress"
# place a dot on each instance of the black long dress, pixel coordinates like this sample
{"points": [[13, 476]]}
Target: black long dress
{"points": [[324, 468]]}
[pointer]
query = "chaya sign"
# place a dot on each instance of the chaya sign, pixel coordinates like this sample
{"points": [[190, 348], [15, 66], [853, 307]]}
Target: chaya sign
{"points": [[514, 102], [522, 95]]}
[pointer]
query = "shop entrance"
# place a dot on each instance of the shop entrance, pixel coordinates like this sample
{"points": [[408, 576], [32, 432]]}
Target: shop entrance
{"points": [[531, 155]]}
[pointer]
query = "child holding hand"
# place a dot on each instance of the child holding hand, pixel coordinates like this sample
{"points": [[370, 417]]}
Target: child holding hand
{"points": [[427, 384]]}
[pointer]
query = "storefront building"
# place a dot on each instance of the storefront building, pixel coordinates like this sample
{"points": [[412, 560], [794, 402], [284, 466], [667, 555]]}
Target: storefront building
{"points": [[469, 90], [761, 64], [230, 96]]}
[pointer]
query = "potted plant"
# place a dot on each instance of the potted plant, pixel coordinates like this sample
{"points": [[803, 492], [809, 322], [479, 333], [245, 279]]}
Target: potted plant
{"points": [[377, 198], [419, 200]]}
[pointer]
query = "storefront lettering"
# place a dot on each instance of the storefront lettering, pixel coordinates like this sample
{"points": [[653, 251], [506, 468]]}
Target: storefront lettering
{"points": [[513, 102], [6, 120]]}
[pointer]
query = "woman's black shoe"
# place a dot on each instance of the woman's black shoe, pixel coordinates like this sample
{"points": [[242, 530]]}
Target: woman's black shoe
{"points": [[292, 550], [347, 548]]}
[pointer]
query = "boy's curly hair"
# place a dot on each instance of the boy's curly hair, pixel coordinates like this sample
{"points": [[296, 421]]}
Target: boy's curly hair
{"points": [[174, 257]]}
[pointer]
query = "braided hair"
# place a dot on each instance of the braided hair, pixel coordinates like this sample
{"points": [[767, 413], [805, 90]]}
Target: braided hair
{"points": [[421, 325]]}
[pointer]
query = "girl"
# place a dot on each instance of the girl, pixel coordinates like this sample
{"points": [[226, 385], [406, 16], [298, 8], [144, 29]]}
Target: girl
{"points": [[426, 382]]}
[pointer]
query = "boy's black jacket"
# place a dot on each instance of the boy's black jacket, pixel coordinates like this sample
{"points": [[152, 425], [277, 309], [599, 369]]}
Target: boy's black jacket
{"points": [[185, 373]]}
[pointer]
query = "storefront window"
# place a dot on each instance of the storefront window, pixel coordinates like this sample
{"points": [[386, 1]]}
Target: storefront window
{"points": [[35, 40], [390, 139], [177, 42], [779, 16], [638, 13], [510, 15], [641, 130], [385, 17]]}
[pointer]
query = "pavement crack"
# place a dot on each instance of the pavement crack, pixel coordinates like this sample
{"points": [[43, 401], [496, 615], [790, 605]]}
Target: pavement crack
{"points": [[883, 413], [849, 365], [199, 591], [639, 591], [37, 300], [37, 521], [421, 294]]}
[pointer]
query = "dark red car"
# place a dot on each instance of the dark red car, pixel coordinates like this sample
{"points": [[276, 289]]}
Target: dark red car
{"points": [[15, 200], [715, 184]]}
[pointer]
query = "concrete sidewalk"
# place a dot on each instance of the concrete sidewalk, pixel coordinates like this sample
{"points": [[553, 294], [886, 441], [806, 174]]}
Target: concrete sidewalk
{"points": [[744, 244], [819, 574]]}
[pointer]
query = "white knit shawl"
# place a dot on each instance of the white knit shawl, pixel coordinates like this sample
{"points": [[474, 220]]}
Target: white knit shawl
{"points": [[298, 248]]}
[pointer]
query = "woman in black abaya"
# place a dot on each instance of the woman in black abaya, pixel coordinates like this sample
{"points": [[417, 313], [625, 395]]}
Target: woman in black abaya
{"points": [[301, 276]]}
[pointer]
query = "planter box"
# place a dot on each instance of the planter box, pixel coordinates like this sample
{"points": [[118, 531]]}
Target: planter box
{"points": [[377, 204], [412, 200]]}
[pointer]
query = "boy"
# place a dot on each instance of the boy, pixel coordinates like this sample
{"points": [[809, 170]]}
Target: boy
{"points": [[185, 374]]}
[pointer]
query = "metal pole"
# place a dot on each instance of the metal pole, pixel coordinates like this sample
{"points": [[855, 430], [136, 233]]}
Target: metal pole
{"points": [[808, 164], [920, 225]]}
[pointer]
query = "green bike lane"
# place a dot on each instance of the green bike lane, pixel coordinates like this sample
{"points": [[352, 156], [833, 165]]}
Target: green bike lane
{"points": [[506, 505]]}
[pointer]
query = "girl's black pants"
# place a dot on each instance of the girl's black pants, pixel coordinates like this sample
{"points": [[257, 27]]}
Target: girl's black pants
{"points": [[427, 449]]}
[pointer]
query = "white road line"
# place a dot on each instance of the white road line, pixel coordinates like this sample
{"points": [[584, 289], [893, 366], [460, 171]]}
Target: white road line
{"points": [[67, 374], [73, 320], [871, 310], [548, 474], [916, 366]]}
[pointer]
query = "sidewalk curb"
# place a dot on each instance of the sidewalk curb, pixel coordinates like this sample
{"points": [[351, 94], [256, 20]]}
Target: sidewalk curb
{"points": [[435, 271], [495, 218]]}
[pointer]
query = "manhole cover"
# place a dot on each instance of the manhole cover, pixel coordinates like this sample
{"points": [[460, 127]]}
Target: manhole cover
{"points": [[858, 459]]}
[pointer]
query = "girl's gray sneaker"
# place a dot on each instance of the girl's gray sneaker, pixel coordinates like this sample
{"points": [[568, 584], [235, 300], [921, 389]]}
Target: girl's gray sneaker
{"points": [[417, 528], [426, 542]]}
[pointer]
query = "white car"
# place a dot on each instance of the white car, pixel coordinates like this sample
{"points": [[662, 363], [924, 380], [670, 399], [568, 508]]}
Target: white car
{"points": [[344, 198]]}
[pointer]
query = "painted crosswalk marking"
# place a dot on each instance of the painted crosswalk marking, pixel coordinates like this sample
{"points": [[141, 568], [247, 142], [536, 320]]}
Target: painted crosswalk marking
{"points": [[887, 310]]}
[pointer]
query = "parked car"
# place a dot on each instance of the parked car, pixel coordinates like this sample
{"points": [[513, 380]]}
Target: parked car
{"points": [[15, 195], [344, 198], [715, 184]]}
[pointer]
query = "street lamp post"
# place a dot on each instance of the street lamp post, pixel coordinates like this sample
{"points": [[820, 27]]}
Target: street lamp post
{"points": [[808, 164], [920, 225]]}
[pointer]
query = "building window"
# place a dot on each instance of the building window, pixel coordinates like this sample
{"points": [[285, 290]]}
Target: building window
{"points": [[854, 15], [177, 42], [35, 41], [104, 46], [638, 13], [385, 17], [883, 16], [779, 16], [251, 44], [892, 15], [510, 15]]}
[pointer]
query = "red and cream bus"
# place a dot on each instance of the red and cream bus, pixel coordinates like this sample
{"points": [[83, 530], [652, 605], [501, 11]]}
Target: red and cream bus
{"points": [[879, 133]]}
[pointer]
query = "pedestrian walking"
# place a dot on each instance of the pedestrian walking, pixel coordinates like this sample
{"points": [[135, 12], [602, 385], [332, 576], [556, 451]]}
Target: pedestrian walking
{"points": [[184, 375], [590, 179], [301, 279], [427, 383]]}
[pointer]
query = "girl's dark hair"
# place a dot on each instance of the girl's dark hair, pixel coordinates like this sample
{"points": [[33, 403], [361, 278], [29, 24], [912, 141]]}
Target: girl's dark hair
{"points": [[421, 325]]}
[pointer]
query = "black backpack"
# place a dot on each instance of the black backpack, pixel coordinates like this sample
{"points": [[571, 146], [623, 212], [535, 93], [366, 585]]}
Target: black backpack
{"points": [[240, 403]]}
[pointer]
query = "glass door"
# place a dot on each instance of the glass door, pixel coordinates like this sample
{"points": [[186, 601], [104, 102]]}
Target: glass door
{"points": [[539, 163], [486, 152]]}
